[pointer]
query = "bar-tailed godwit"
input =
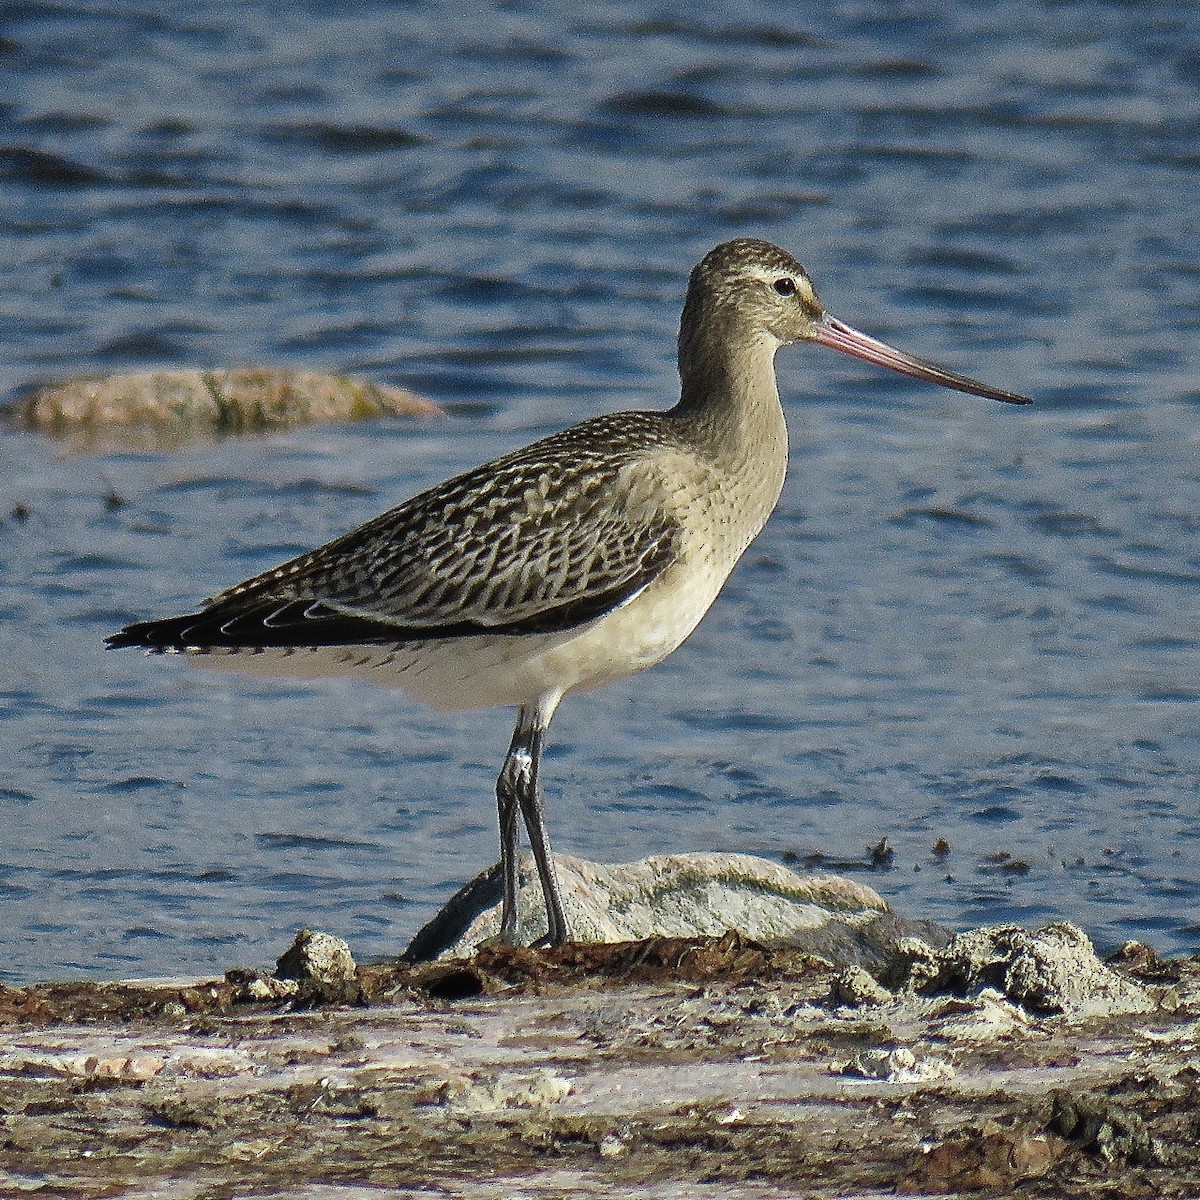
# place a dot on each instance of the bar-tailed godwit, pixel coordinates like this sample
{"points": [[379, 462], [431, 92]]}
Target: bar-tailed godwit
{"points": [[562, 566]]}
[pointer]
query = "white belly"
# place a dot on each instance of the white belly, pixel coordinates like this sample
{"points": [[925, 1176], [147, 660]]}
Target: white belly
{"points": [[456, 674]]}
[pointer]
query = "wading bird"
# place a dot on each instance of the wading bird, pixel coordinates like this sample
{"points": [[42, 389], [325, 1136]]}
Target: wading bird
{"points": [[565, 565]]}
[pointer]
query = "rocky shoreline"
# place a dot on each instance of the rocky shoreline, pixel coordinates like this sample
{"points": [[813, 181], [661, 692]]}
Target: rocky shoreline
{"points": [[1008, 1062]]}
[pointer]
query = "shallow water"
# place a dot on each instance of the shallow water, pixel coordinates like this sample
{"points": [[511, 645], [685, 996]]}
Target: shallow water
{"points": [[965, 621]]}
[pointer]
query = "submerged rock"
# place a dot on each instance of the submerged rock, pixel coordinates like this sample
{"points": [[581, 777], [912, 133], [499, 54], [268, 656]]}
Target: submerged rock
{"points": [[681, 896], [162, 407]]}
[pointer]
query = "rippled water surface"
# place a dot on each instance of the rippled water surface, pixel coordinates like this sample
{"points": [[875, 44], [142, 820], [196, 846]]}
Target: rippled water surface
{"points": [[965, 621]]}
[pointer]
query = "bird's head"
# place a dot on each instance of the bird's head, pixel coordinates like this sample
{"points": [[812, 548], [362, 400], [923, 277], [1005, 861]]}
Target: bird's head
{"points": [[748, 290]]}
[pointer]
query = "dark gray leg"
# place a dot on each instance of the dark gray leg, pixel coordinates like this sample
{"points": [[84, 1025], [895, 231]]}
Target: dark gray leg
{"points": [[516, 788], [506, 802]]}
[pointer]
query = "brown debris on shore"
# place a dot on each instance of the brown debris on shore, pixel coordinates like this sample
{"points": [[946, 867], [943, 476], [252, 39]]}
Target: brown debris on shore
{"points": [[698, 1067]]}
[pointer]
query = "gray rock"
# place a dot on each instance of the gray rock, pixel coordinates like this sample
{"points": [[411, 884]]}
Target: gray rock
{"points": [[681, 895], [911, 965], [256, 987], [1050, 970], [1105, 1128], [318, 958], [896, 1065], [855, 986]]}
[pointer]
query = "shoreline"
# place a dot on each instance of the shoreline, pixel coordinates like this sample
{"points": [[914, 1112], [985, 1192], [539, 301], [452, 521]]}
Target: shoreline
{"points": [[673, 1067]]}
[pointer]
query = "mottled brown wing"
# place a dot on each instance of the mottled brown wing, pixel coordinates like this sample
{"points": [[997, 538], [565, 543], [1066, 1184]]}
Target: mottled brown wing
{"points": [[541, 541]]}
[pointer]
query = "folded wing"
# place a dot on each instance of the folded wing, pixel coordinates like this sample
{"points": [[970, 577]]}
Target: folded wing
{"points": [[516, 547]]}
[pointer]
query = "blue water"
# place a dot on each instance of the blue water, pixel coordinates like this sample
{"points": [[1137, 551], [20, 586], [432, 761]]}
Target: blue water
{"points": [[966, 621]]}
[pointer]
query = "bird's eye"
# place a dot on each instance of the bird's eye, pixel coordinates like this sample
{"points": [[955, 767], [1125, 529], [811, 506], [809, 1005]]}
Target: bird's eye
{"points": [[785, 286]]}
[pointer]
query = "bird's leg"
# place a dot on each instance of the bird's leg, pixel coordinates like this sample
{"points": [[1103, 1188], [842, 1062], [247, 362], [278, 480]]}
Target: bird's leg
{"points": [[518, 787], [539, 842], [506, 802]]}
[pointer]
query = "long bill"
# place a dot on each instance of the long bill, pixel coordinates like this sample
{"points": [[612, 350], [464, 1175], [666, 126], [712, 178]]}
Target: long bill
{"points": [[840, 336]]}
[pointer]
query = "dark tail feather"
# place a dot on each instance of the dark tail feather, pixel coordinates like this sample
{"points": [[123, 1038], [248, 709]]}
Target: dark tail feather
{"points": [[222, 629], [272, 624], [158, 637]]}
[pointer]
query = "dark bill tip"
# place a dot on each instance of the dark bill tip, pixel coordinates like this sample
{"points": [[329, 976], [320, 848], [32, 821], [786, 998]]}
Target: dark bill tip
{"points": [[840, 336]]}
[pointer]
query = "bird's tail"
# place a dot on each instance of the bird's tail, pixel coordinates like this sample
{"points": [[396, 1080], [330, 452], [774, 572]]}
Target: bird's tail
{"points": [[168, 636]]}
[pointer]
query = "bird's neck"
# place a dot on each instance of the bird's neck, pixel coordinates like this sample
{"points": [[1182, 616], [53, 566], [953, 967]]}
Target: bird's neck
{"points": [[729, 402]]}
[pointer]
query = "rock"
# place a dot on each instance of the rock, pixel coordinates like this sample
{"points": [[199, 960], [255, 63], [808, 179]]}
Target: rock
{"points": [[317, 958], [539, 1090], [1143, 963], [855, 987], [1104, 1128], [899, 1065], [168, 406], [987, 1017], [257, 987], [1051, 970], [136, 1068], [988, 1158], [590, 1084], [679, 895], [911, 965]]}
